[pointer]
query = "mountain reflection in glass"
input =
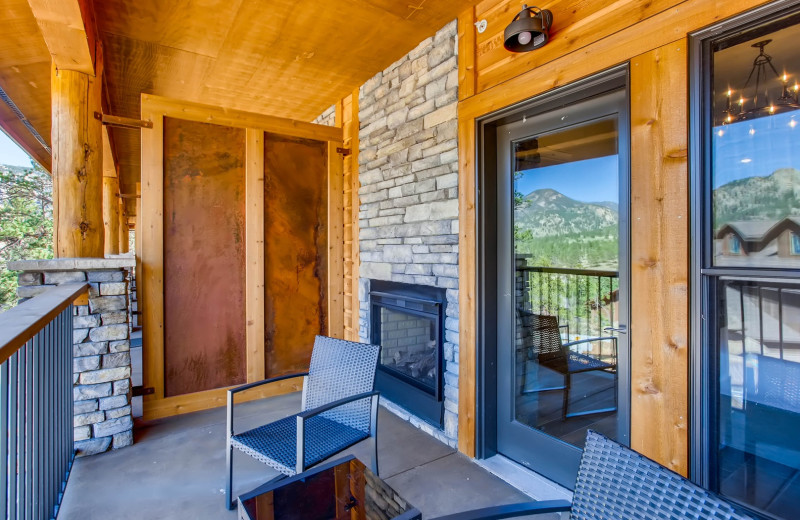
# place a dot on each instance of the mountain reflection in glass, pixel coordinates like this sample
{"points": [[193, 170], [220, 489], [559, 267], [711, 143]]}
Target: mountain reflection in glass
{"points": [[756, 160], [755, 223], [566, 245]]}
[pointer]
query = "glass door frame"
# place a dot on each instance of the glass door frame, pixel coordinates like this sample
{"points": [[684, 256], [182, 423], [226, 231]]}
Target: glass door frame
{"points": [[490, 247], [704, 362]]}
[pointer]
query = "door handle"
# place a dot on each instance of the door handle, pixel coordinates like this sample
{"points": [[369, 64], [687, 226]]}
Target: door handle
{"points": [[621, 329]]}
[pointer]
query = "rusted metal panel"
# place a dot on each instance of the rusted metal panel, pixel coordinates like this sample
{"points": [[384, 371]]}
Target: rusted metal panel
{"points": [[204, 255], [295, 250]]}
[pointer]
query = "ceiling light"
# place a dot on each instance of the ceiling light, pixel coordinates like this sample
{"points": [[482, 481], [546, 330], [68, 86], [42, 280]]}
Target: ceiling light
{"points": [[529, 30]]}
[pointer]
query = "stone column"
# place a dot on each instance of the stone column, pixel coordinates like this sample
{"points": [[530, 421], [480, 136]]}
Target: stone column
{"points": [[101, 345]]}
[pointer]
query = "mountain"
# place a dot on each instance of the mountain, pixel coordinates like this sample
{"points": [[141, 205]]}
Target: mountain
{"points": [[547, 212], [758, 198]]}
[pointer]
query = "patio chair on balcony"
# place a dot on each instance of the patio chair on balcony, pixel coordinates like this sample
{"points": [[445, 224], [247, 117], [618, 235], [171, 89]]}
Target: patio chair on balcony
{"points": [[541, 341], [339, 409]]}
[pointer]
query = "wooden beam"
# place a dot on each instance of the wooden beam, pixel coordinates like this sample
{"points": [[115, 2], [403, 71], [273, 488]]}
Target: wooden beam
{"points": [[659, 257], [467, 289], [150, 255], [223, 116], [335, 240], [466, 52], [68, 30], [123, 122], [124, 229], [254, 255], [111, 220]]}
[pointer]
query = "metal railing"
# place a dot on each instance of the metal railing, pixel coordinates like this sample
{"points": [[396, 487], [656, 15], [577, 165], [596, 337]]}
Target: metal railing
{"points": [[585, 300], [36, 448]]}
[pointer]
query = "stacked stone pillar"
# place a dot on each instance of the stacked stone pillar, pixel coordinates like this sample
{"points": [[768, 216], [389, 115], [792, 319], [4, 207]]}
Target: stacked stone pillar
{"points": [[101, 345]]}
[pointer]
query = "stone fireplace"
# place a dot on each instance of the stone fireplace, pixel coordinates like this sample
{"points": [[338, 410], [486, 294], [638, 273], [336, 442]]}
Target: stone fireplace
{"points": [[408, 323], [408, 225]]}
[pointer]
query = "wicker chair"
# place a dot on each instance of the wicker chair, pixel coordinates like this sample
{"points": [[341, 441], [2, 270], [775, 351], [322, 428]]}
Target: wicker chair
{"points": [[339, 409], [615, 482], [541, 340]]}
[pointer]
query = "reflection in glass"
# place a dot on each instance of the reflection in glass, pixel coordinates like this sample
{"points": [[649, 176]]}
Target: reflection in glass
{"points": [[759, 389], [566, 245], [755, 176]]}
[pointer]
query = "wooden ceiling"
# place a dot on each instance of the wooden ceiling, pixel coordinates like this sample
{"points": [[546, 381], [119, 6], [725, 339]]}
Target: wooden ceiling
{"points": [[25, 78], [278, 57]]}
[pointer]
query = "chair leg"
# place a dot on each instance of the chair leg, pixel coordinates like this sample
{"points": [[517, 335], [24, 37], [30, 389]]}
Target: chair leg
{"points": [[375, 455], [567, 384], [229, 478]]}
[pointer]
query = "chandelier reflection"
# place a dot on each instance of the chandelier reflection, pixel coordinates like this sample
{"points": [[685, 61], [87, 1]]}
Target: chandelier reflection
{"points": [[757, 102]]}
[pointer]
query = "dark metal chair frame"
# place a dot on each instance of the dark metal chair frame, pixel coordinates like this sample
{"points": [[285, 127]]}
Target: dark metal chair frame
{"points": [[339, 409], [542, 337], [615, 482]]}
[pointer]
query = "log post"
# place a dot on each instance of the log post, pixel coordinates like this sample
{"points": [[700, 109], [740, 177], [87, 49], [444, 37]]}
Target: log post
{"points": [[111, 218], [124, 229], [77, 164]]}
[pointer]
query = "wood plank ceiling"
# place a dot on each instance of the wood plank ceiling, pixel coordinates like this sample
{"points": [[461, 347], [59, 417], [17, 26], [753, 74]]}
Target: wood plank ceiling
{"points": [[278, 57]]}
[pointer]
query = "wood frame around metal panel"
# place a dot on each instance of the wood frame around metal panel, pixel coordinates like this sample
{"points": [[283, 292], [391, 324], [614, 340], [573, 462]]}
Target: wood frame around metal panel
{"points": [[659, 348], [150, 234]]}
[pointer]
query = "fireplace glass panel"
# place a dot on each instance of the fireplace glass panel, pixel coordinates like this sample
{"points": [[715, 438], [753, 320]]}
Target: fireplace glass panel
{"points": [[409, 346]]}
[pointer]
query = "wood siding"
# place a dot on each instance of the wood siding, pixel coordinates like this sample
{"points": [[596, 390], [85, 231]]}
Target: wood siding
{"points": [[588, 37]]}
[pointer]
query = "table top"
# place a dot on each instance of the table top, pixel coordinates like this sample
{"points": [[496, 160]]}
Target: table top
{"points": [[341, 489]]}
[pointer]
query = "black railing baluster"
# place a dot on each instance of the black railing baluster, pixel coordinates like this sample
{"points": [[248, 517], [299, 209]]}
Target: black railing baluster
{"points": [[36, 408], [13, 425], [5, 435]]}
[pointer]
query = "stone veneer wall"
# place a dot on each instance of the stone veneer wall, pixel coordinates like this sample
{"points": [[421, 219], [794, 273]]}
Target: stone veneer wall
{"points": [[327, 118], [408, 169], [101, 345]]}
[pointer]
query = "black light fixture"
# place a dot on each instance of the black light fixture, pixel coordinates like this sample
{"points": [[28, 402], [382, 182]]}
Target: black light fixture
{"points": [[529, 30], [762, 105]]}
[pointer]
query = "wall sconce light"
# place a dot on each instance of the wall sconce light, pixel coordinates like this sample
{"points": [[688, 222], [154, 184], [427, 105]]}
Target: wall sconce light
{"points": [[529, 30]]}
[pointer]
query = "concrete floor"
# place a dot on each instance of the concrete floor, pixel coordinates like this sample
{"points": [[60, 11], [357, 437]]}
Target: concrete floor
{"points": [[176, 468]]}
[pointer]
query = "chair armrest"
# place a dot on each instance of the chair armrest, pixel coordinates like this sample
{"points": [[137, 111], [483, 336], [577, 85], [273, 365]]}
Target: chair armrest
{"points": [[511, 510], [589, 340], [335, 404], [248, 386], [300, 464]]}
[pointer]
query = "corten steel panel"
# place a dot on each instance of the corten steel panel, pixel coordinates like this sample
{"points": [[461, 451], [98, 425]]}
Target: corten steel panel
{"points": [[295, 247], [204, 255]]}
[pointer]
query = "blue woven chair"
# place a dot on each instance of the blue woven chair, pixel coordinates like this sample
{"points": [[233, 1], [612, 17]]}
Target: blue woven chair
{"points": [[615, 482], [339, 409]]}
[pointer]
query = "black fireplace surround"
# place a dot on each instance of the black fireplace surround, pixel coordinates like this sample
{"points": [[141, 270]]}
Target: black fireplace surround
{"points": [[407, 321]]}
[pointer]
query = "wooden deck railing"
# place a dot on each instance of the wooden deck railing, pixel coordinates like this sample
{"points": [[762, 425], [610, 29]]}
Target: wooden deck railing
{"points": [[36, 449]]}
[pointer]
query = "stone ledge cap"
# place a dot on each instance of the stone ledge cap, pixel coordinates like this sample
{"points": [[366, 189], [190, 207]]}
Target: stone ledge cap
{"points": [[72, 264]]}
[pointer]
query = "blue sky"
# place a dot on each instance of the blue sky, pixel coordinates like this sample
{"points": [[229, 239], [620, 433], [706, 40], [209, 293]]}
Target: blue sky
{"points": [[756, 148], [12, 154], [592, 180]]}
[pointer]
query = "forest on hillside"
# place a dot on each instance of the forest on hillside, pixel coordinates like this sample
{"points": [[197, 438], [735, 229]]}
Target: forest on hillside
{"points": [[26, 222]]}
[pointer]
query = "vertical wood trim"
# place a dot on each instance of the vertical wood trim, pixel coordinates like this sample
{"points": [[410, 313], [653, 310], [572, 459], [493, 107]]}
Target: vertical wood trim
{"points": [[467, 357], [335, 240], [151, 230], [111, 217], [355, 208], [254, 254], [467, 77], [659, 261]]}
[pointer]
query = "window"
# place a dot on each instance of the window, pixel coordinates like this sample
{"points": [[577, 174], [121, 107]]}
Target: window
{"points": [[734, 244], [746, 80]]}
